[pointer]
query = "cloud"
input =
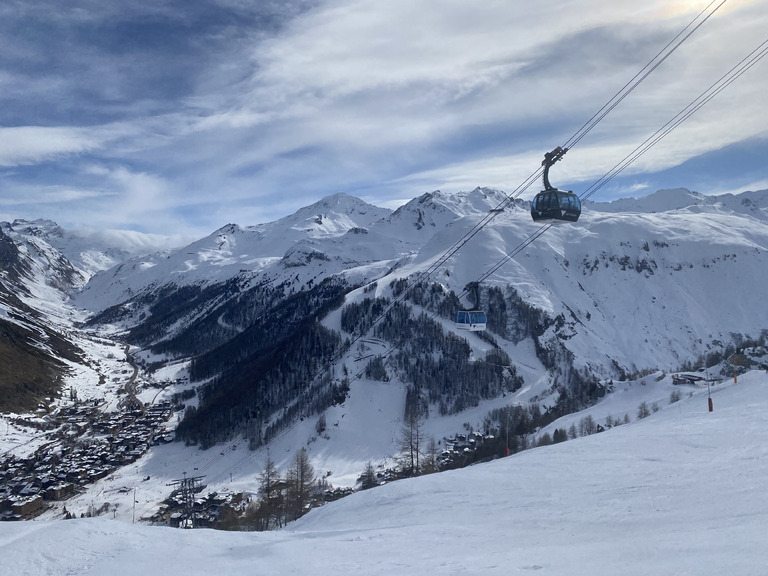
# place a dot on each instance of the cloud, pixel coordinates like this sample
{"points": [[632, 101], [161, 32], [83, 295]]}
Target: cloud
{"points": [[405, 76], [26, 196], [33, 144], [137, 200], [193, 114], [131, 240]]}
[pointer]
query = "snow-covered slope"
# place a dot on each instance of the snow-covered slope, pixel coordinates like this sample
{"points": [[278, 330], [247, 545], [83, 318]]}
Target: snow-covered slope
{"points": [[87, 251], [653, 284], [753, 204], [635, 284], [681, 492], [651, 290], [45, 266]]}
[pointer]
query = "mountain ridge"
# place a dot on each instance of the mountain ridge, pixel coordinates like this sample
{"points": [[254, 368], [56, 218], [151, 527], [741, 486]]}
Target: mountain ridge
{"points": [[616, 294], [671, 241]]}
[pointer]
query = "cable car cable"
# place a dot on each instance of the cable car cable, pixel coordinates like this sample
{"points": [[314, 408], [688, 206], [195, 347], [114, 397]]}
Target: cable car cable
{"points": [[614, 101], [586, 128], [723, 82], [659, 58], [694, 106], [630, 86]]}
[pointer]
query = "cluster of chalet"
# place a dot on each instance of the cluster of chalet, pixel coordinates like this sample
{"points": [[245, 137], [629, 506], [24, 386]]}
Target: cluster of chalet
{"points": [[749, 358], [333, 494], [206, 510], [460, 449], [84, 446]]}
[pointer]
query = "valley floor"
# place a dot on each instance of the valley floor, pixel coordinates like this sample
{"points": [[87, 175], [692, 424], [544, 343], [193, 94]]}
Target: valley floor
{"points": [[680, 492]]}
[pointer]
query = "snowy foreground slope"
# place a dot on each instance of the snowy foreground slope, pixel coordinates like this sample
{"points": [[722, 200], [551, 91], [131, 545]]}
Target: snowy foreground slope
{"points": [[681, 492]]}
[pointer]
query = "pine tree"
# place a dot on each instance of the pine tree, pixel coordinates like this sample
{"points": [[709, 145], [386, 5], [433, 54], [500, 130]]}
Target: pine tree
{"points": [[368, 478], [429, 462], [410, 444], [321, 424], [270, 497], [300, 478]]}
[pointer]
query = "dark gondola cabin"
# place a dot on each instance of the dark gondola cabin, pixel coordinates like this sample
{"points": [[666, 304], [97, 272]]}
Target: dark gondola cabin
{"points": [[473, 320], [551, 204]]}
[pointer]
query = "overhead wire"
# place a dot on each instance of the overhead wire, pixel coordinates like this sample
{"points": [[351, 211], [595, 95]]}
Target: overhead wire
{"points": [[660, 57], [695, 105], [638, 78], [610, 105]]}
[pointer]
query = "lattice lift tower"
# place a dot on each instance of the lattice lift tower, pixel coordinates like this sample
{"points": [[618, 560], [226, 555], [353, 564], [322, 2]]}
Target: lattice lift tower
{"points": [[188, 487]]}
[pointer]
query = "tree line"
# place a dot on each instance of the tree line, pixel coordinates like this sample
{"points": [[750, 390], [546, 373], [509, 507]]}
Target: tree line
{"points": [[268, 376], [281, 499]]}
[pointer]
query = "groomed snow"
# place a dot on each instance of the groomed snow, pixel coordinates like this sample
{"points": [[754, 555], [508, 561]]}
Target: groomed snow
{"points": [[680, 492]]}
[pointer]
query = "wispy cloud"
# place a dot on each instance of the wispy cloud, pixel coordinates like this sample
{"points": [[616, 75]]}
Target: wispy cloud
{"points": [[35, 144], [41, 196]]}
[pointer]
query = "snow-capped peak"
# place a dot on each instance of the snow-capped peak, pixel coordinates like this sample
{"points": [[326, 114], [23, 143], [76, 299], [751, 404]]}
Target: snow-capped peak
{"points": [[660, 201], [334, 215]]}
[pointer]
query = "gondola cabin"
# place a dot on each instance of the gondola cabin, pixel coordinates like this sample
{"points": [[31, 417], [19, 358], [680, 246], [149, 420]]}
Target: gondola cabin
{"points": [[473, 320], [553, 205]]}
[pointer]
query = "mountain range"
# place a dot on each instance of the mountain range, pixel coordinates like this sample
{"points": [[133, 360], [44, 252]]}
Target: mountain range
{"points": [[275, 320]]}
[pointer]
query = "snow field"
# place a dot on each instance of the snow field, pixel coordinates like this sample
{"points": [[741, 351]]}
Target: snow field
{"points": [[680, 492]]}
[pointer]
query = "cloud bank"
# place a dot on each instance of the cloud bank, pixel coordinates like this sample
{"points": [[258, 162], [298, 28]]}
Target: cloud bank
{"points": [[176, 117]]}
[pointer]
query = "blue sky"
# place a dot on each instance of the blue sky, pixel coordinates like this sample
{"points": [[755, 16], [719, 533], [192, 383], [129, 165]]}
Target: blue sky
{"points": [[176, 117]]}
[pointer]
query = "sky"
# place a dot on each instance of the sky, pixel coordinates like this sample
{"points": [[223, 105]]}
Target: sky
{"points": [[176, 117]]}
